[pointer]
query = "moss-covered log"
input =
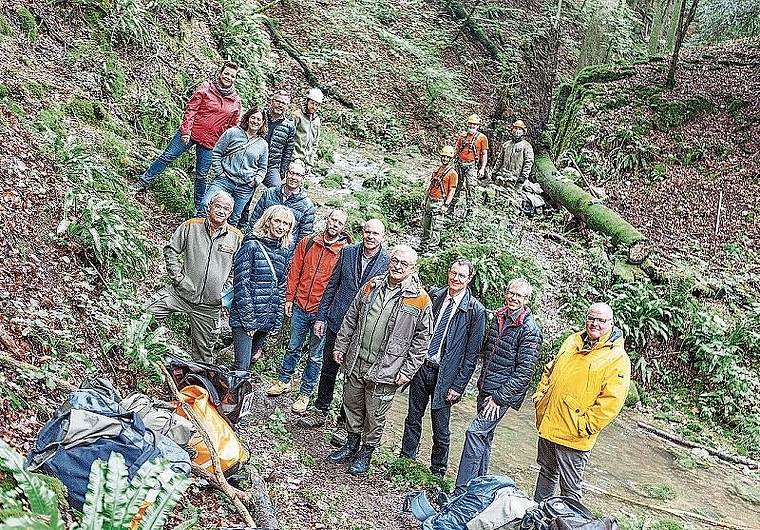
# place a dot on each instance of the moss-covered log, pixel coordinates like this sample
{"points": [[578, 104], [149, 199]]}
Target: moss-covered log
{"points": [[588, 209]]}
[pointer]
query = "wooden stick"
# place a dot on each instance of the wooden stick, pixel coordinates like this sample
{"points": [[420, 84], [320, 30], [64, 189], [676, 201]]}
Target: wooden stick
{"points": [[672, 511], [217, 476], [717, 215], [752, 464]]}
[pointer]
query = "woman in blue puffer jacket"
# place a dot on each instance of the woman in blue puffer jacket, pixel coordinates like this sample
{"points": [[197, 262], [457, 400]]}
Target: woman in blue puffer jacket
{"points": [[260, 280]]}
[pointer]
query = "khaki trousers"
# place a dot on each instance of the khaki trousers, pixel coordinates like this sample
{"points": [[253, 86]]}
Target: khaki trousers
{"points": [[366, 404], [204, 320]]}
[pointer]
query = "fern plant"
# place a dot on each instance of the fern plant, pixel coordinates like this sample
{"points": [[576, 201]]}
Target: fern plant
{"points": [[113, 503], [42, 512]]}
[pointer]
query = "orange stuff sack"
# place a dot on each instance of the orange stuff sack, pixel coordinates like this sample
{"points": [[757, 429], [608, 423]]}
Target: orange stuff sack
{"points": [[227, 444]]}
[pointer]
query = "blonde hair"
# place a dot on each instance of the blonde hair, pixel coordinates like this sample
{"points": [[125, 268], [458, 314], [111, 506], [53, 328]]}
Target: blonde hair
{"points": [[263, 225]]}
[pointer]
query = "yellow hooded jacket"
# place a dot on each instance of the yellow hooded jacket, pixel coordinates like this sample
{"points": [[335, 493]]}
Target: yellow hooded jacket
{"points": [[581, 391]]}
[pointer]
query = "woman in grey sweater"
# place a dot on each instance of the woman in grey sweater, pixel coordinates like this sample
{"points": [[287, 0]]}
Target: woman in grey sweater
{"points": [[239, 161]]}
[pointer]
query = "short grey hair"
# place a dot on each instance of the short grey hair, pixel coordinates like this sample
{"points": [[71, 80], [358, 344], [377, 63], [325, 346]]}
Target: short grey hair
{"points": [[406, 249], [521, 283], [223, 194]]}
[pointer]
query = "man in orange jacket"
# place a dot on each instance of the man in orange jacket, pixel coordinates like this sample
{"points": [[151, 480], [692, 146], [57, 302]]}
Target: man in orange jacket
{"points": [[213, 108], [438, 200], [472, 157], [313, 261]]}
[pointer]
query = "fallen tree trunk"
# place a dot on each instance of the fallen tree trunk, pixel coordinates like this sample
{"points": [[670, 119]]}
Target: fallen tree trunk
{"points": [[752, 464], [282, 41], [588, 209], [458, 11]]}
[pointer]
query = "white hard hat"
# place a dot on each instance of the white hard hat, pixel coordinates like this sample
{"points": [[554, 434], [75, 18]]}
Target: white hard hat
{"points": [[315, 94]]}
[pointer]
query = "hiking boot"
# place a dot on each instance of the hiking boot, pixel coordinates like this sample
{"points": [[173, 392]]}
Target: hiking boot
{"points": [[278, 388], [300, 405], [138, 186], [361, 461], [348, 450], [339, 435], [313, 420]]}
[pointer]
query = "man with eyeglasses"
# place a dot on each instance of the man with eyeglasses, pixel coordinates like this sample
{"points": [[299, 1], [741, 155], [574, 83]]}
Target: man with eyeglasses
{"points": [[581, 391], [281, 139], [510, 352], [460, 323], [292, 195], [381, 344], [199, 259]]}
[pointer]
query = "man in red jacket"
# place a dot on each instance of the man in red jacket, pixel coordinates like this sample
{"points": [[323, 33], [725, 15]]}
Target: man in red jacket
{"points": [[213, 108], [313, 262]]}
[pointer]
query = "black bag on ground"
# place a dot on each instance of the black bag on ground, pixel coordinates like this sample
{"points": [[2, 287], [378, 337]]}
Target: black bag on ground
{"points": [[563, 513], [226, 389]]}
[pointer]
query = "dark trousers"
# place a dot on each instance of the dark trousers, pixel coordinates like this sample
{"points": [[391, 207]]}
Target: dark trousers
{"points": [[330, 369], [421, 392]]}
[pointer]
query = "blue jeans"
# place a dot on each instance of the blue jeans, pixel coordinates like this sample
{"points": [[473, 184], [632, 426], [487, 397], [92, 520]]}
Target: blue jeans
{"points": [[421, 392], [244, 346], [240, 193], [476, 452], [172, 152], [301, 324]]}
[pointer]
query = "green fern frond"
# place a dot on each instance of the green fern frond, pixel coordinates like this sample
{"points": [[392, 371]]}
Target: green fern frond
{"points": [[42, 500], [92, 512], [115, 513], [173, 486]]}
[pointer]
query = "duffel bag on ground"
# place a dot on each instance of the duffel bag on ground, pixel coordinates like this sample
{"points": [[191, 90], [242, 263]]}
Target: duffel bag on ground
{"points": [[227, 389], [225, 441]]}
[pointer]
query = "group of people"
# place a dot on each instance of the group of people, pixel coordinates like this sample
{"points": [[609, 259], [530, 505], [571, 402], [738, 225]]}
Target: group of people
{"points": [[363, 308], [463, 166]]}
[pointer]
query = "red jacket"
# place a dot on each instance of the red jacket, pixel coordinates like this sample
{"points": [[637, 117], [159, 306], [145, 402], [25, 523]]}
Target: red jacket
{"points": [[209, 114], [311, 268]]}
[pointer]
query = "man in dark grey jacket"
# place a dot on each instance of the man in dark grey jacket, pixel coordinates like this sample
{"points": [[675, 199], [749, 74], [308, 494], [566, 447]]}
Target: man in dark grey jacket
{"points": [[509, 353], [356, 265], [199, 259], [459, 325]]}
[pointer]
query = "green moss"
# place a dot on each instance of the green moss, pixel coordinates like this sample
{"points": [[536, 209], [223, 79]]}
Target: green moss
{"points": [[174, 191], [88, 111], [37, 89], [666, 524], [113, 78], [28, 23], [333, 181], [673, 114], [5, 28], [4, 91], [603, 73]]}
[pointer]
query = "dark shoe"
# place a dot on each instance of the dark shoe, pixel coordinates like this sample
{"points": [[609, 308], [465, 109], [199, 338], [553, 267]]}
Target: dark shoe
{"points": [[138, 186], [316, 419], [339, 436], [361, 461], [347, 452]]}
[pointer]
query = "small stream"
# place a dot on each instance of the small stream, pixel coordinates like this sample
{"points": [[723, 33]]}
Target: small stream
{"points": [[624, 459]]}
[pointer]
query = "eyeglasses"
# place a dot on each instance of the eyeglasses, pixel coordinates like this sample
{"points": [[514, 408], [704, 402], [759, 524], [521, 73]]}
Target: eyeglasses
{"points": [[458, 275], [404, 264], [513, 294], [280, 102], [295, 174], [221, 207], [594, 320]]}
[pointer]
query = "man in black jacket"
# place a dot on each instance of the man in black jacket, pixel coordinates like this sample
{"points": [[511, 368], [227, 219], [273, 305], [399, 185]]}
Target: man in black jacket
{"points": [[459, 325], [509, 353]]}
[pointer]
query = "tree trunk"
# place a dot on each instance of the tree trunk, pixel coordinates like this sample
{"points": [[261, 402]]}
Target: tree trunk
{"points": [[594, 214], [656, 31], [684, 21]]}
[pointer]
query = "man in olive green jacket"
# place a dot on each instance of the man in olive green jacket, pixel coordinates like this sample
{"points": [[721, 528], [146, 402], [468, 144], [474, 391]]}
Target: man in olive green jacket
{"points": [[580, 393], [199, 259], [381, 344]]}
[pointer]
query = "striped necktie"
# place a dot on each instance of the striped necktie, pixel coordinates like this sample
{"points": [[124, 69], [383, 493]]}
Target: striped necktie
{"points": [[440, 330]]}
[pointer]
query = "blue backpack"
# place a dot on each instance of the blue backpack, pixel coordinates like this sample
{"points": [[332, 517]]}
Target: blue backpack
{"points": [[89, 427]]}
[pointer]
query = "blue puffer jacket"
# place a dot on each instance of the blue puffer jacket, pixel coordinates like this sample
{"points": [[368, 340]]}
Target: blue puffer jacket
{"points": [[282, 140], [259, 299], [301, 206], [345, 282], [509, 357]]}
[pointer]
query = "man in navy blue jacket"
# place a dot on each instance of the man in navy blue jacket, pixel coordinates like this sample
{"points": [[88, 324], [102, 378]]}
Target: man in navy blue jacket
{"points": [[356, 265], [458, 329]]}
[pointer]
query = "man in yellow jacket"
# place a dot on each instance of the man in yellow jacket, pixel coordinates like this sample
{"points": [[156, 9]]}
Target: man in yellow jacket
{"points": [[581, 391]]}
